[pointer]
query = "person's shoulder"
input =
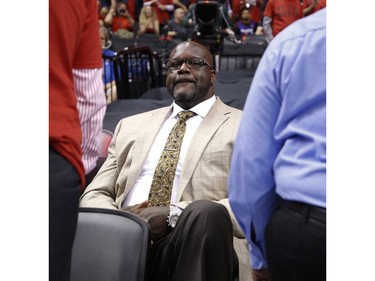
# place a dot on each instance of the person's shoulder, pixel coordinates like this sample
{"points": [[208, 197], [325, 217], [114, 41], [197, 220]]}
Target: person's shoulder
{"points": [[315, 21], [312, 23], [146, 114], [235, 112], [142, 118], [308, 31]]}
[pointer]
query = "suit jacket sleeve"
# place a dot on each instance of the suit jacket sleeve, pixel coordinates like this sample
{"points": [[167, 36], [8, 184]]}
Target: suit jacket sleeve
{"points": [[101, 193]]}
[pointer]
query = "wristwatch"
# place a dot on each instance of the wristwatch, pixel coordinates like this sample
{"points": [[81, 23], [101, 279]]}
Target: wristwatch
{"points": [[174, 213]]}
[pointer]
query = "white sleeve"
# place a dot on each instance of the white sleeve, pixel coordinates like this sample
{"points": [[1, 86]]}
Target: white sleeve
{"points": [[91, 104]]}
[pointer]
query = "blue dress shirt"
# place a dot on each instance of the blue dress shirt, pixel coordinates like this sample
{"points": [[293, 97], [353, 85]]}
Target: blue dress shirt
{"points": [[280, 149]]}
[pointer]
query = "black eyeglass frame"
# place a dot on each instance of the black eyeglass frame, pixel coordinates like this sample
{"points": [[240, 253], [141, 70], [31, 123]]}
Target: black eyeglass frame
{"points": [[185, 61]]}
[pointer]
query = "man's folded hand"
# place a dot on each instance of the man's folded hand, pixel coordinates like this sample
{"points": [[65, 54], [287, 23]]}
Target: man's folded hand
{"points": [[155, 216]]}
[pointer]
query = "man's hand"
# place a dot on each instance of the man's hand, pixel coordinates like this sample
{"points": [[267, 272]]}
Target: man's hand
{"points": [[260, 275], [155, 216], [157, 220], [136, 209]]}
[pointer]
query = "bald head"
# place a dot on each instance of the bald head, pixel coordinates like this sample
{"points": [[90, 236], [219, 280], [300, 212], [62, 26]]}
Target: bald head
{"points": [[190, 85], [179, 15], [193, 47]]}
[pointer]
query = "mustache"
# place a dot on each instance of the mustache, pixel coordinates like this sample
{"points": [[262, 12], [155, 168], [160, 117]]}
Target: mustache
{"points": [[183, 80]]}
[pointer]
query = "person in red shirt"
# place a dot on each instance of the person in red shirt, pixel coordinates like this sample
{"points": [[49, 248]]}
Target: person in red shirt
{"points": [[119, 17], [278, 14], [74, 45]]}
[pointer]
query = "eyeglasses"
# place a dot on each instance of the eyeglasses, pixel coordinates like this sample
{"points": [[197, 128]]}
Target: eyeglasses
{"points": [[192, 63]]}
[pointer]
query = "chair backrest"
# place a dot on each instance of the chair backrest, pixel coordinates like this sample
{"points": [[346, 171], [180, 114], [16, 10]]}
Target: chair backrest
{"points": [[245, 56], [109, 245], [137, 70]]}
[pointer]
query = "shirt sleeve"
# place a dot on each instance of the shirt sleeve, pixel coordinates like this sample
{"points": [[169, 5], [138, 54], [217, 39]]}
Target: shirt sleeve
{"points": [[267, 28], [268, 10], [88, 52], [91, 104], [251, 182]]}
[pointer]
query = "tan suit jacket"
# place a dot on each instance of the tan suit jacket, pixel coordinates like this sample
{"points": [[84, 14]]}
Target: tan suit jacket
{"points": [[204, 173]]}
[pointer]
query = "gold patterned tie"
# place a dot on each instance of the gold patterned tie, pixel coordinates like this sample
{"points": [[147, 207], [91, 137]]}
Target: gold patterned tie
{"points": [[162, 183]]}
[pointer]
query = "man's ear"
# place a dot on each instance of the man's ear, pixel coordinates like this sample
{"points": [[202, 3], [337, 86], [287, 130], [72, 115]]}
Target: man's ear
{"points": [[213, 76]]}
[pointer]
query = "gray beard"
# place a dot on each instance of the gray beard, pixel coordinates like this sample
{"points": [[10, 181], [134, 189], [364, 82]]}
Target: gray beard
{"points": [[188, 100]]}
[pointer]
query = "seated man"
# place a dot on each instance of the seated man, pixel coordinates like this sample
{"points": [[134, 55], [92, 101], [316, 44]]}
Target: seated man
{"points": [[149, 173], [177, 29]]}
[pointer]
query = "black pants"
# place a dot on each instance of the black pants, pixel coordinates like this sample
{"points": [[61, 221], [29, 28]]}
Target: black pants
{"points": [[296, 243], [200, 248], [64, 191]]}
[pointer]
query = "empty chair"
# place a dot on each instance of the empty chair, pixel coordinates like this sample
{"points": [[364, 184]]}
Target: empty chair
{"points": [[109, 245]]}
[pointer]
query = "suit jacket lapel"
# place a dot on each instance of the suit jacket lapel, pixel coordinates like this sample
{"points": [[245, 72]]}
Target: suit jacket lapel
{"points": [[218, 114]]}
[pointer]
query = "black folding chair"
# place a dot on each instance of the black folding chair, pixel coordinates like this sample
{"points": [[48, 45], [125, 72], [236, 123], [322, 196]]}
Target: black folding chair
{"points": [[109, 245]]}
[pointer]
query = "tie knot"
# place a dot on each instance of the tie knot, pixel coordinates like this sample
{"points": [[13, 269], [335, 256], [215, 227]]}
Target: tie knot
{"points": [[185, 115]]}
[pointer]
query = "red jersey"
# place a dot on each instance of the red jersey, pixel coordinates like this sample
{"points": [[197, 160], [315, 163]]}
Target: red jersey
{"points": [[283, 13], [71, 45]]}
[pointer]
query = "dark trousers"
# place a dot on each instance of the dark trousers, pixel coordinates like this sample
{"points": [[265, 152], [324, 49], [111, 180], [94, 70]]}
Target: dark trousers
{"points": [[296, 243], [200, 248], [64, 191]]}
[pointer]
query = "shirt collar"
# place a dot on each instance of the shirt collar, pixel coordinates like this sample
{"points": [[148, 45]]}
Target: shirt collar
{"points": [[200, 109]]}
